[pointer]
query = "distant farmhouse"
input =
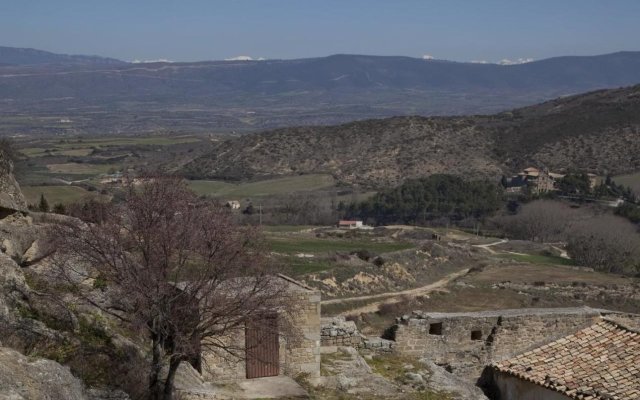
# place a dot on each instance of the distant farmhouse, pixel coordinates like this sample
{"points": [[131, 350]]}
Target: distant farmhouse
{"points": [[233, 204], [349, 224], [534, 181]]}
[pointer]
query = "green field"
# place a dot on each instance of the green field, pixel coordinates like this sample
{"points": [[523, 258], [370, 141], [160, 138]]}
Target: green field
{"points": [[41, 152], [302, 266], [262, 188], [56, 194], [286, 228], [80, 168], [631, 180], [110, 141], [291, 245], [84, 147]]}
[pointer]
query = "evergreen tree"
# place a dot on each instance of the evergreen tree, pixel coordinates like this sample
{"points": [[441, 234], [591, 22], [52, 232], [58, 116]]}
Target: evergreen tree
{"points": [[249, 210], [59, 208], [43, 206], [437, 196]]}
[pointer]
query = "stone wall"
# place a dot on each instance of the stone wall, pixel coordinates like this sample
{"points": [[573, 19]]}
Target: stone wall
{"points": [[465, 342], [299, 350], [336, 331]]}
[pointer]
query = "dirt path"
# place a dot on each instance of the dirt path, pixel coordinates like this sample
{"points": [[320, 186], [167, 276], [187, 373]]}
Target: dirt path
{"points": [[563, 253], [394, 297], [488, 245]]}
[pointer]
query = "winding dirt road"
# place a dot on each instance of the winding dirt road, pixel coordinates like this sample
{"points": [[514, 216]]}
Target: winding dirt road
{"points": [[394, 297], [488, 245]]}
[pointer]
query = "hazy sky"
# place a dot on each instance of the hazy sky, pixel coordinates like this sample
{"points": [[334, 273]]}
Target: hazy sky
{"points": [[188, 30]]}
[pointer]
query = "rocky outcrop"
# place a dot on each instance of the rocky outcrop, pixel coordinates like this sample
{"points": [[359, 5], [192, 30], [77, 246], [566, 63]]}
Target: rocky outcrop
{"points": [[13, 292], [443, 381], [27, 378], [24, 378], [40, 316], [11, 197]]}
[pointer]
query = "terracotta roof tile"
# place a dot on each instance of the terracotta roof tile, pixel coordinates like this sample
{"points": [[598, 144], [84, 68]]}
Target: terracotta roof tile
{"points": [[598, 362]]}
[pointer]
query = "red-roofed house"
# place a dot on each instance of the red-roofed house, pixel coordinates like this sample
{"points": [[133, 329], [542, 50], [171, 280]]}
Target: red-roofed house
{"points": [[349, 224]]}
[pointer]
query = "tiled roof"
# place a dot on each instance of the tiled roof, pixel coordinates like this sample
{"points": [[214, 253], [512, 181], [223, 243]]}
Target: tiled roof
{"points": [[598, 362]]}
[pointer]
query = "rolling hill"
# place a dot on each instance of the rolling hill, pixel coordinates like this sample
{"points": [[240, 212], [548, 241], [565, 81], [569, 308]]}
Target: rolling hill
{"points": [[107, 96], [597, 131], [23, 56]]}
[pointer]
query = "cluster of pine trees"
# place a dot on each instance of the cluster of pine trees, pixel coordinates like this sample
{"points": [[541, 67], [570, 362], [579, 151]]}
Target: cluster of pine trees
{"points": [[418, 201]]}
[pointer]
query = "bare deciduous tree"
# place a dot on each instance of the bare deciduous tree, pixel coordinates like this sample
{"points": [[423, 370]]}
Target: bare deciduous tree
{"points": [[177, 268], [542, 221], [606, 243]]}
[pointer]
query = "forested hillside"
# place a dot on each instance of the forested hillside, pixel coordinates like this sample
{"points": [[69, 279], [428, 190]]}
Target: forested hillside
{"points": [[597, 132]]}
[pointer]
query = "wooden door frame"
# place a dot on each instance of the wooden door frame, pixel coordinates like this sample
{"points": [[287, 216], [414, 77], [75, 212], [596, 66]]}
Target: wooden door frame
{"points": [[262, 347]]}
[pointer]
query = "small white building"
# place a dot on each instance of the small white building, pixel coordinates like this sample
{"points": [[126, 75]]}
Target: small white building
{"points": [[233, 204], [349, 224]]}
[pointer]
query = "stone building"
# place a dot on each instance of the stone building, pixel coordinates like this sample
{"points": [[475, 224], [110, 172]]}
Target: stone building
{"points": [[464, 343], [233, 204], [601, 361], [533, 181], [265, 352]]}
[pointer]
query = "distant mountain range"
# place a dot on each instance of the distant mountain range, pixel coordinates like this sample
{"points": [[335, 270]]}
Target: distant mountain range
{"points": [[100, 95], [596, 132], [22, 56]]}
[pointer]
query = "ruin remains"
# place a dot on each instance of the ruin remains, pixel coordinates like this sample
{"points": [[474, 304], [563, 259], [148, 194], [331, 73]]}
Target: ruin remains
{"points": [[464, 343]]}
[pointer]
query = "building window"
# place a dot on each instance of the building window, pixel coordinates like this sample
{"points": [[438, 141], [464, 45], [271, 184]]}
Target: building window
{"points": [[476, 335], [435, 328]]}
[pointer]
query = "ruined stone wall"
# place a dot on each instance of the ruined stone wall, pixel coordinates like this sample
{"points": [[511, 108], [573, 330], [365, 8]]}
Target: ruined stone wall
{"points": [[336, 331], [299, 351], [465, 342]]}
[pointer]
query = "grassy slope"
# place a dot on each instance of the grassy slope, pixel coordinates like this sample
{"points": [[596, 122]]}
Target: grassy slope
{"points": [[77, 168], [631, 180], [310, 245], [537, 259], [262, 188]]}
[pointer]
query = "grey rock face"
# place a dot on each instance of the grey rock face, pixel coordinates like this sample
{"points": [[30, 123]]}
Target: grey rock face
{"points": [[440, 379], [22, 378], [11, 197]]}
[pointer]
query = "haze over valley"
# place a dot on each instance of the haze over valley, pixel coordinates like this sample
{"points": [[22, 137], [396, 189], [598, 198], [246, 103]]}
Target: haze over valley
{"points": [[51, 94]]}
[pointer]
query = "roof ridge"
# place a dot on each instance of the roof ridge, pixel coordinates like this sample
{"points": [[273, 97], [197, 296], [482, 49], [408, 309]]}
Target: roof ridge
{"points": [[620, 325]]}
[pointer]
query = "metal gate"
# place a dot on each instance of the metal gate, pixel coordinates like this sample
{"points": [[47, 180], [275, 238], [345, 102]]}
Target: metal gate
{"points": [[262, 347]]}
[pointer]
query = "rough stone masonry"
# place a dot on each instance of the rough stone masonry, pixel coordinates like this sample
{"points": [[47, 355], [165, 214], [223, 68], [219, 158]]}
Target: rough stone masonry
{"points": [[464, 343]]}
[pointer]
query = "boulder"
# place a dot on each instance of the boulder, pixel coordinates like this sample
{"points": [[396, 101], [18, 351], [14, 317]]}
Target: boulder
{"points": [[24, 378]]}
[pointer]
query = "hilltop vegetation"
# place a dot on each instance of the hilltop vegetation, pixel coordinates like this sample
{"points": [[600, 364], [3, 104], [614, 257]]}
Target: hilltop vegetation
{"points": [[595, 132], [426, 199]]}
